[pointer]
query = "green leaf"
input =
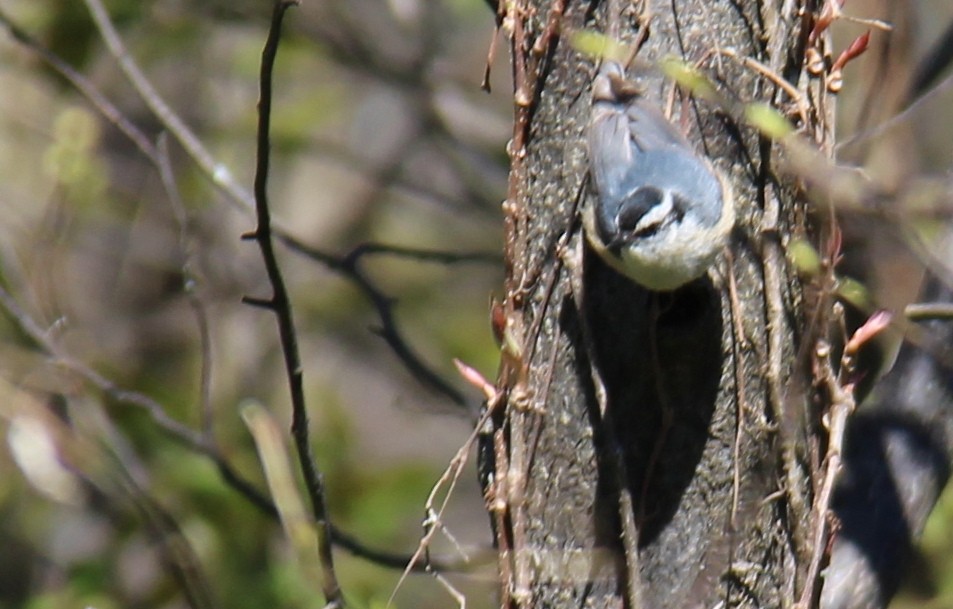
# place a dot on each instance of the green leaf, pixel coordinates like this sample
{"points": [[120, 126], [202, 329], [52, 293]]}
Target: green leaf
{"points": [[768, 121], [599, 46], [854, 292], [805, 257], [688, 77]]}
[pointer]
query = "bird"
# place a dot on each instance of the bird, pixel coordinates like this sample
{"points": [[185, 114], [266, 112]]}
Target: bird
{"points": [[661, 213]]}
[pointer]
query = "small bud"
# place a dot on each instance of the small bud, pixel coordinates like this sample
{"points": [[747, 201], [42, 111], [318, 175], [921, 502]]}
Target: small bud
{"points": [[835, 81], [814, 61], [856, 49]]}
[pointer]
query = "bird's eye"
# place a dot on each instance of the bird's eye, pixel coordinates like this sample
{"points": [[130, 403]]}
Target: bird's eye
{"points": [[636, 206]]}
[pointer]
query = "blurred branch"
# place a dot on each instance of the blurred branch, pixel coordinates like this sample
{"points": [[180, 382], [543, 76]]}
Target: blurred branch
{"points": [[218, 172], [192, 439], [849, 190], [177, 553], [83, 85], [344, 38], [381, 301], [898, 451], [929, 311], [933, 64], [434, 508], [175, 429], [111, 477], [440, 257], [344, 157], [190, 281], [898, 118], [348, 266], [280, 305]]}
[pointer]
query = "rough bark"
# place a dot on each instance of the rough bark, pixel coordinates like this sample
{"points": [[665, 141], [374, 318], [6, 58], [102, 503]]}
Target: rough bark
{"points": [[681, 419]]}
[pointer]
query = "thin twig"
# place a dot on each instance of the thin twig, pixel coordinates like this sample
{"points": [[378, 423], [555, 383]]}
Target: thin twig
{"points": [[753, 64], [198, 442], [190, 281], [899, 117], [175, 550], [349, 267], [933, 64], [81, 84], [433, 522], [422, 255], [280, 304], [217, 171], [772, 267], [738, 343], [842, 404], [929, 311], [174, 428], [90, 448], [180, 433]]}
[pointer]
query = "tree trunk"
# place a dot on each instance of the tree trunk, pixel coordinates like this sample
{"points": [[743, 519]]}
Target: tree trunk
{"points": [[677, 423]]}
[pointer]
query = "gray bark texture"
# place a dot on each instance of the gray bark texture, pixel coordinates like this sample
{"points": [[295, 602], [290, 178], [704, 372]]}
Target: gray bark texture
{"points": [[679, 423]]}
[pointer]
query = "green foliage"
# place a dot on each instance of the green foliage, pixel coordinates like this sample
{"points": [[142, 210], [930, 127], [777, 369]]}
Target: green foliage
{"points": [[804, 257], [599, 46], [71, 159], [854, 292], [688, 77], [931, 585], [768, 120]]}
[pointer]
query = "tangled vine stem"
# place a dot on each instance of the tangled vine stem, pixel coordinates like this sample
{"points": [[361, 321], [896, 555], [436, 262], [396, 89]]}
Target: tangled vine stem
{"points": [[280, 305]]}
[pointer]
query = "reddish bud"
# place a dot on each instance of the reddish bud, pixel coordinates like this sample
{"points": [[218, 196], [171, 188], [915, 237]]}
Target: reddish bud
{"points": [[874, 325], [856, 49], [497, 321], [472, 376]]}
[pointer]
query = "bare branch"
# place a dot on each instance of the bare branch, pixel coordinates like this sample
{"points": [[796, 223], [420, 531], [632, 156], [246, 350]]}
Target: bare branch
{"points": [[199, 443], [176, 551], [348, 266], [281, 306], [437, 256], [190, 279]]}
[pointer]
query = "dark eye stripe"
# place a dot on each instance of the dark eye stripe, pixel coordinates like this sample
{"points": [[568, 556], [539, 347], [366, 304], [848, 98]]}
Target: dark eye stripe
{"points": [[637, 205]]}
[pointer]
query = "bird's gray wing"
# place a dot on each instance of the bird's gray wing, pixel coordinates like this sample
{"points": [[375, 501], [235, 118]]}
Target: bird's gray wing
{"points": [[650, 130]]}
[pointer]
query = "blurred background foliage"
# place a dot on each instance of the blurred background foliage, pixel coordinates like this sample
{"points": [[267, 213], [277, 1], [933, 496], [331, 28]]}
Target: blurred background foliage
{"points": [[381, 134]]}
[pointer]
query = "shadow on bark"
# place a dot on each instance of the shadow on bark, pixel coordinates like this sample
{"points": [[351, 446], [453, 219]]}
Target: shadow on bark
{"points": [[659, 355]]}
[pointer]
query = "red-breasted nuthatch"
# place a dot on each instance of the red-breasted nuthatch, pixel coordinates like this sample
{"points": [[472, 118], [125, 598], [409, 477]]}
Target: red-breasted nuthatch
{"points": [[661, 212]]}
